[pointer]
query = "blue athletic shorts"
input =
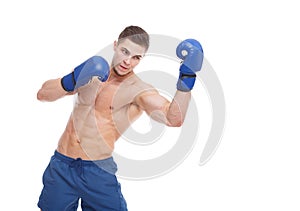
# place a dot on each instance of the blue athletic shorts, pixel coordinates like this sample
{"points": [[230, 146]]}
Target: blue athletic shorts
{"points": [[66, 180]]}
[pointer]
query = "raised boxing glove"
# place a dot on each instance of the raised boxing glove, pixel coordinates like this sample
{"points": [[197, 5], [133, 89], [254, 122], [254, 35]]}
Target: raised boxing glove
{"points": [[191, 52], [82, 74]]}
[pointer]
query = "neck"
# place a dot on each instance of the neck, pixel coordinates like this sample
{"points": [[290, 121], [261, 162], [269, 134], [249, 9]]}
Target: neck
{"points": [[114, 76]]}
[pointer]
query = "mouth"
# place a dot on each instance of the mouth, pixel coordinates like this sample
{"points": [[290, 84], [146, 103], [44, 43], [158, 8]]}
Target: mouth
{"points": [[123, 68]]}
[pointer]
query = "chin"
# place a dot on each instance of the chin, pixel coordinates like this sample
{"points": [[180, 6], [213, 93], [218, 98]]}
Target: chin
{"points": [[121, 73]]}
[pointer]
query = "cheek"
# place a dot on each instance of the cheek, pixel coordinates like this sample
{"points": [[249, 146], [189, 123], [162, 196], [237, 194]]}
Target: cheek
{"points": [[134, 62], [117, 59]]}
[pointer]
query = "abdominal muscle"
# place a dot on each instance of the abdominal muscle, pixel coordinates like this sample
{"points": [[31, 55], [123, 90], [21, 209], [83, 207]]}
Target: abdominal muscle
{"points": [[96, 123], [87, 141]]}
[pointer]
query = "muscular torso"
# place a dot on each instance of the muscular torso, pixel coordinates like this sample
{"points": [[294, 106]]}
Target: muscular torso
{"points": [[102, 112]]}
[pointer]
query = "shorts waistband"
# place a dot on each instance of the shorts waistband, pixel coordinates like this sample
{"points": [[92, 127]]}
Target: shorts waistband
{"points": [[107, 164]]}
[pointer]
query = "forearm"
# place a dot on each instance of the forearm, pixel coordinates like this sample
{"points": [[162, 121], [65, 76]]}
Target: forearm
{"points": [[173, 113], [81, 75], [51, 90], [177, 110], [190, 51]]}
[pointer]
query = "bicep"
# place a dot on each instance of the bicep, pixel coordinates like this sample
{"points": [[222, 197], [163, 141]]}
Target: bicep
{"points": [[155, 105]]}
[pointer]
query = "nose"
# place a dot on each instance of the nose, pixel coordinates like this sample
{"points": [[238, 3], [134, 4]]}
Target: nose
{"points": [[127, 60]]}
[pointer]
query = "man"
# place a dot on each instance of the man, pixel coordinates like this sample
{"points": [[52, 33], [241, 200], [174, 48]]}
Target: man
{"points": [[109, 99]]}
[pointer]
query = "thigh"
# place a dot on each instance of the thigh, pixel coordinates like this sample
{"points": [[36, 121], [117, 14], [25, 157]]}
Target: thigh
{"points": [[102, 191], [59, 190]]}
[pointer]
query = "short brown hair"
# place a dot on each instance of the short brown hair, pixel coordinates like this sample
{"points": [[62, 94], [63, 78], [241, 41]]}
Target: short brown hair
{"points": [[135, 34]]}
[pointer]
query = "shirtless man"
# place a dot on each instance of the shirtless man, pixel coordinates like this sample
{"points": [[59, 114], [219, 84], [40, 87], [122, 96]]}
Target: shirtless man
{"points": [[109, 99]]}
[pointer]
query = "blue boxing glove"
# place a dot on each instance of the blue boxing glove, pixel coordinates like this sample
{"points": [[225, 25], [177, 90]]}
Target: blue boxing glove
{"points": [[191, 52], [82, 74]]}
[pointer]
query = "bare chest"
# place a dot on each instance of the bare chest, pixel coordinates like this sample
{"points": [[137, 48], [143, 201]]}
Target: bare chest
{"points": [[112, 98]]}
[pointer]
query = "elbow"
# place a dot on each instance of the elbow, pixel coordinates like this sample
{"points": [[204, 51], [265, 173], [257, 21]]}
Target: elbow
{"points": [[40, 95], [175, 120], [175, 123]]}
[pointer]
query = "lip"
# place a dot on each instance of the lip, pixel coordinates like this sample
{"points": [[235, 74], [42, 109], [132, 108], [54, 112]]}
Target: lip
{"points": [[123, 67]]}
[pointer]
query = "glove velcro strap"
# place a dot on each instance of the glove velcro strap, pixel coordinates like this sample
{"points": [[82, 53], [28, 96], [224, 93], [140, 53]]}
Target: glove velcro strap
{"points": [[68, 82], [186, 82]]}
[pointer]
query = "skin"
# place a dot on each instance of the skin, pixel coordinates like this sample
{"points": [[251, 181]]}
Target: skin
{"points": [[104, 110]]}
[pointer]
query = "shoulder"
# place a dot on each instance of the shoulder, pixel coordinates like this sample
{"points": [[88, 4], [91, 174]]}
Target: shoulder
{"points": [[139, 86], [148, 97]]}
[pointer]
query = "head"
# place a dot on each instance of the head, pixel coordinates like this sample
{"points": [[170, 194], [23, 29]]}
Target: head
{"points": [[129, 49]]}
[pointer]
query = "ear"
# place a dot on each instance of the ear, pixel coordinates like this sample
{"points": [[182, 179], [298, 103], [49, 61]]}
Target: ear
{"points": [[115, 45]]}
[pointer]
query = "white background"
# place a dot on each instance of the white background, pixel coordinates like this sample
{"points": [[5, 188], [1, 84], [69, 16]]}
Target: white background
{"points": [[254, 49]]}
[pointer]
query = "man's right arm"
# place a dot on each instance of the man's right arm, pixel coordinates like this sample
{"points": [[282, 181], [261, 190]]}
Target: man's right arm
{"points": [[56, 88], [52, 90]]}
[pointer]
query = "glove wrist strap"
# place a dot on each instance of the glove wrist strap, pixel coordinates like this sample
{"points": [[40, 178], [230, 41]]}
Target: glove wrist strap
{"points": [[186, 82]]}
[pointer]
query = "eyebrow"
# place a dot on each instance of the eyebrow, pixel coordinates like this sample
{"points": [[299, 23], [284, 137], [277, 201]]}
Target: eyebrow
{"points": [[138, 55]]}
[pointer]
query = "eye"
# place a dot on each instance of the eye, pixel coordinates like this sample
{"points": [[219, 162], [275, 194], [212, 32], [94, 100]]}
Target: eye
{"points": [[125, 51], [137, 57]]}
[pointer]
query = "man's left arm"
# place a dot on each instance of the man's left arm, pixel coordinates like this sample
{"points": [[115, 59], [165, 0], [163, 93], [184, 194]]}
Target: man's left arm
{"points": [[173, 113], [162, 110]]}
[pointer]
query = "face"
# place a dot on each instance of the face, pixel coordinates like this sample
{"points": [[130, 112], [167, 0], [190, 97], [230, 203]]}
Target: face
{"points": [[127, 56]]}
